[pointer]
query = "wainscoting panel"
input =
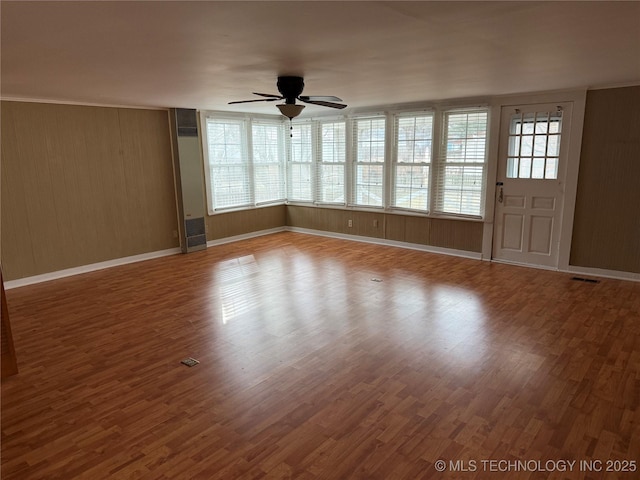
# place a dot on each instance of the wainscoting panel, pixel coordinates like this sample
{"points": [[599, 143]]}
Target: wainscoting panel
{"points": [[453, 234], [231, 224]]}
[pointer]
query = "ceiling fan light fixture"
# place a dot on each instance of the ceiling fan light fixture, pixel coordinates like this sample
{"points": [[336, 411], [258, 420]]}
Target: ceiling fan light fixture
{"points": [[289, 110]]}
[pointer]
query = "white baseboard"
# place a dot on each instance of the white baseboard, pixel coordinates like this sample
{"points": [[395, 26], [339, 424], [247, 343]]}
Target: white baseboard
{"points": [[528, 265], [594, 272], [45, 277], [391, 243], [600, 272], [245, 236]]}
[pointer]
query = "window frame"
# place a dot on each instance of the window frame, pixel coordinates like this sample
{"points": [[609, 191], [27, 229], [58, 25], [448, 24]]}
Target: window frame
{"points": [[208, 166], [247, 122], [292, 162], [355, 163], [350, 163], [280, 163], [395, 162], [516, 136], [441, 164], [320, 163]]}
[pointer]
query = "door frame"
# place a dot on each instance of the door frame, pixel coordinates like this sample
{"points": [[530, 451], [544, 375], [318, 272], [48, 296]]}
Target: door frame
{"points": [[573, 139]]}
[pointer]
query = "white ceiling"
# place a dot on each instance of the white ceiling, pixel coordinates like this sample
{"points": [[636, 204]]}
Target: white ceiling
{"points": [[205, 54]]}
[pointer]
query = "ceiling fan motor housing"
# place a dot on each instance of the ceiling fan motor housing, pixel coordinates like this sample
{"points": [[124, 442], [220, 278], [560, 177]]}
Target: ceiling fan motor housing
{"points": [[290, 88]]}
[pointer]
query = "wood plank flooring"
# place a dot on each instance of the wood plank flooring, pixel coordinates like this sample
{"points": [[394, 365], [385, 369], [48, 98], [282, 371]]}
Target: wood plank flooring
{"points": [[321, 359]]}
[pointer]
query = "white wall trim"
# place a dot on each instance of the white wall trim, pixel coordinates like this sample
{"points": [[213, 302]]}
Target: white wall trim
{"points": [[391, 243], [610, 86], [571, 178], [590, 271], [527, 265], [531, 98], [45, 277], [245, 236], [600, 272], [490, 185], [80, 104]]}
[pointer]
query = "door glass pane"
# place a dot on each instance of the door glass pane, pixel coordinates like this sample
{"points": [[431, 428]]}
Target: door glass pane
{"points": [[551, 169], [554, 146], [527, 124], [538, 168], [512, 167], [542, 119], [525, 168], [540, 145], [514, 145], [526, 148]]}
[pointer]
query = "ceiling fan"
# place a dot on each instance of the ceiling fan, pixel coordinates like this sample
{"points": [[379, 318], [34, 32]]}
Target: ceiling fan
{"points": [[290, 89]]}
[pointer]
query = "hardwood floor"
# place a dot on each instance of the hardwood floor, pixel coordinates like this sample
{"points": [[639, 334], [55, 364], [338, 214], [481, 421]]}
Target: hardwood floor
{"points": [[321, 359]]}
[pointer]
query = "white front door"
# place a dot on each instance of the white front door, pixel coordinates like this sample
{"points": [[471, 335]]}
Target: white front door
{"points": [[530, 183]]}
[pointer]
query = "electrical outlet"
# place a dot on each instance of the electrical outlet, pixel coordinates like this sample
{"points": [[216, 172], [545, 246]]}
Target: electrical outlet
{"points": [[375, 223], [349, 223]]}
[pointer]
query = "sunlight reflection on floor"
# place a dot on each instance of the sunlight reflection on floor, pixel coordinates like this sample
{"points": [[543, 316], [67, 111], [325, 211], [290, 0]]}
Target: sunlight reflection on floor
{"points": [[295, 290]]}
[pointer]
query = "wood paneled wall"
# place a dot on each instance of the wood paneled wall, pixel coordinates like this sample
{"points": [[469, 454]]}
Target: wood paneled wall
{"points": [[606, 228], [230, 224], [81, 185], [455, 234], [8, 361]]}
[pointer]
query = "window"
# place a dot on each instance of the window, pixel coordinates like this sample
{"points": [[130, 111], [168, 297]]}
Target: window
{"points": [[317, 159], [254, 160], [332, 161], [301, 163], [412, 161], [369, 160], [246, 162], [268, 164], [462, 162], [228, 164], [534, 145]]}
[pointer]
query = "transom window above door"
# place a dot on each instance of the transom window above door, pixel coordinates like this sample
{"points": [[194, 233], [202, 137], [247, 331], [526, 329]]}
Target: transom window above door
{"points": [[534, 145]]}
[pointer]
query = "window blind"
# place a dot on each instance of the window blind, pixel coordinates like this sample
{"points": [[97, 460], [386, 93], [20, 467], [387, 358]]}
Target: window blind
{"points": [[267, 139], [413, 139], [461, 163], [253, 161], [368, 161], [300, 185], [332, 158], [229, 167]]}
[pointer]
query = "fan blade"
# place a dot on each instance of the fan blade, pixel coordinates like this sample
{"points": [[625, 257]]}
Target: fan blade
{"points": [[315, 98], [325, 104], [270, 95], [260, 100]]}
